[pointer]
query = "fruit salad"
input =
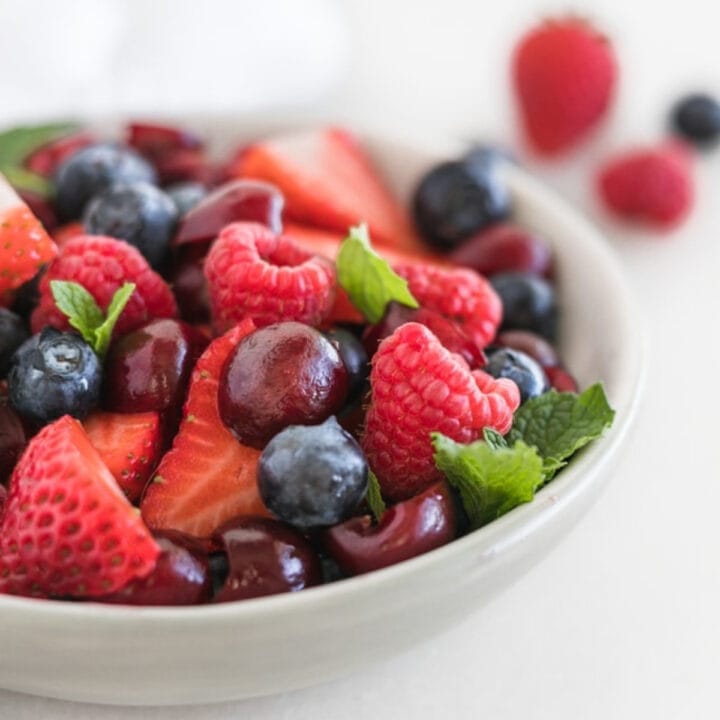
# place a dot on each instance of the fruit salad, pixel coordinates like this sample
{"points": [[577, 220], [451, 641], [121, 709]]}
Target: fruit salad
{"points": [[226, 378]]}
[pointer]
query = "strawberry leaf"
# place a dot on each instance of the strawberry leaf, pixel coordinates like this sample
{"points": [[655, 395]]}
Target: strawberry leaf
{"points": [[22, 179], [367, 278], [18, 143]]}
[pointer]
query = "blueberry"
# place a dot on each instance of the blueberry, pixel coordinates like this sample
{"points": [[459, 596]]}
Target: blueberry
{"points": [[456, 199], [13, 334], [186, 195], [529, 303], [485, 155], [136, 212], [94, 169], [312, 475], [354, 357], [525, 372], [53, 374], [697, 119]]}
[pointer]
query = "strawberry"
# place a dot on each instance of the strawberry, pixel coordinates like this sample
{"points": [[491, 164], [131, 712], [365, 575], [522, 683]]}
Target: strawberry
{"points": [[66, 528], [564, 74], [129, 444], [329, 182], [207, 477], [25, 246]]}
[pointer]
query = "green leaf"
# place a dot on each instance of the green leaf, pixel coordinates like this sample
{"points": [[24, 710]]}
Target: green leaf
{"points": [[494, 439], [22, 179], [83, 313], [367, 278], [103, 333], [491, 481], [559, 424], [374, 497], [18, 143], [79, 306]]}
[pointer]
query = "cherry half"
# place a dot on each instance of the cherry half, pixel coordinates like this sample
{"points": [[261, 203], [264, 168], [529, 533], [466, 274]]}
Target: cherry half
{"points": [[408, 529]]}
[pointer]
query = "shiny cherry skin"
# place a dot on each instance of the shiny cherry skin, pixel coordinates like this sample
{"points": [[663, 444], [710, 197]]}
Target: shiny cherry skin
{"points": [[538, 348], [264, 557], [181, 575], [248, 200], [148, 369], [505, 247], [450, 334], [560, 379], [190, 289], [283, 374], [408, 529], [13, 440]]}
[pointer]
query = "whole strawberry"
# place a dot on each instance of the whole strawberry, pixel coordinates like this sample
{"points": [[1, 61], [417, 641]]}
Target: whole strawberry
{"points": [[564, 74], [419, 387], [66, 529], [653, 186]]}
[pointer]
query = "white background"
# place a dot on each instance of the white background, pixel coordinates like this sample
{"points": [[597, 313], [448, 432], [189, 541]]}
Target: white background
{"points": [[621, 620]]}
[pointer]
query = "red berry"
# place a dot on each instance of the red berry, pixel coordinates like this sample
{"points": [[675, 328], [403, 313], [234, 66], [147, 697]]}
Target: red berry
{"points": [[207, 477], [537, 347], [129, 444], [284, 374], [24, 248], [252, 272], [190, 290], [101, 265], [329, 182], [651, 185], [41, 208], [46, 159], [153, 140], [419, 387], [505, 248], [67, 529], [12, 439], [405, 530], [561, 379], [564, 73], [459, 294]]}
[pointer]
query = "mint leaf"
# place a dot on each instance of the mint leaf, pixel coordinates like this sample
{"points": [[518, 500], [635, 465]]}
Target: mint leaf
{"points": [[367, 278], [103, 332], [83, 313], [18, 143], [559, 424], [491, 481], [494, 439], [374, 497], [22, 179]]}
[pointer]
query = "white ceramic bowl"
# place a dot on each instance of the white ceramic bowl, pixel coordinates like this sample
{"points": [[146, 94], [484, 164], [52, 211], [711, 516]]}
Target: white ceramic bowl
{"points": [[127, 655]]}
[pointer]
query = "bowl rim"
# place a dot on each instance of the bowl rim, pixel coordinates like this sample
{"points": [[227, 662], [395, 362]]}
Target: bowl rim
{"points": [[494, 539]]}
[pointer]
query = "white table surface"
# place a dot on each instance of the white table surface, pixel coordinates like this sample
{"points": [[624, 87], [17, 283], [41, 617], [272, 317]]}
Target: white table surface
{"points": [[621, 619]]}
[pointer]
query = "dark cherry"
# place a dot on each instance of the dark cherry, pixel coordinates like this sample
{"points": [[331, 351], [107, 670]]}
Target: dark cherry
{"points": [[153, 139], [181, 575], [505, 247], [185, 165], [450, 334], [561, 379], [190, 290], [12, 440], [246, 200], [40, 208], [45, 160], [538, 348], [280, 375], [3, 498], [149, 368], [264, 557], [410, 528], [354, 356]]}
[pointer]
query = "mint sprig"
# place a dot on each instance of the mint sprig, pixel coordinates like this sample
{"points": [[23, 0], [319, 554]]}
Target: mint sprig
{"points": [[559, 424], [83, 313], [491, 480], [374, 497], [367, 278], [496, 474]]}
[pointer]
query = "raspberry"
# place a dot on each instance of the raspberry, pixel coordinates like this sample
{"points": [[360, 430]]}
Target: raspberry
{"points": [[648, 185], [252, 272], [564, 73], [101, 265], [417, 387], [459, 294]]}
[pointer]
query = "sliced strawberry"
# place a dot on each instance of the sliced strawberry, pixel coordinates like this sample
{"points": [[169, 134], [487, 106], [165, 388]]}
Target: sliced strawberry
{"points": [[24, 248], [207, 477], [67, 530], [129, 444], [329, 182]]}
